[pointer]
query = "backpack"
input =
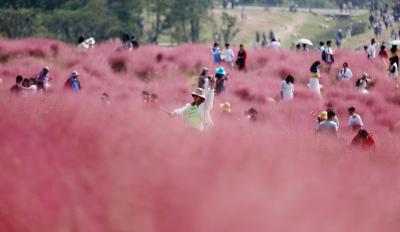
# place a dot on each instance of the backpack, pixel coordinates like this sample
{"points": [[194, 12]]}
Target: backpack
{"points": [[323, 56], [393, 68], [359, 82]]}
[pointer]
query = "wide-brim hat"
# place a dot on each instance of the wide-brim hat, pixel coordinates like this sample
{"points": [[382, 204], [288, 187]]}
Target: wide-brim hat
{"points": [[75, 73], [204, 69], [220, 71], [199, 92]]}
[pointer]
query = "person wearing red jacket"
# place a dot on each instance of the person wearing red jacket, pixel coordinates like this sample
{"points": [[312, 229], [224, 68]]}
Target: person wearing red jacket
{"points": [[364, 140], [241, 61]]}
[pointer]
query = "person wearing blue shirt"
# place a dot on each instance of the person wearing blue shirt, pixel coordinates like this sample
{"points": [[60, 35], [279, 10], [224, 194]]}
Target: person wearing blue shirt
{"points": [[216, 53], [73, 83]]}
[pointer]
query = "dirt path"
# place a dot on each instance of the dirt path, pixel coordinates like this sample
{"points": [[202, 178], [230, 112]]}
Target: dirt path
{"points": [[283, 24], [290, 29]]}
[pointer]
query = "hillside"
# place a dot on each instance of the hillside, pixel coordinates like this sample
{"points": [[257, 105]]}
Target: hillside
{"points": [[289, 26]]}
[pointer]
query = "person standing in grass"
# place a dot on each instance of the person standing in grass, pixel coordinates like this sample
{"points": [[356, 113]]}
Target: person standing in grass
{"points": [[321, 46], [329, 127], [73, 83], [17, 87], [355, 121], [305, 48], [314, 78], [394, 64], [216, 53], [257, 40], [339, 38], [363, 83], [364, 140], [371, 50], [197, 114], [241, 61], [202, 78], [28, 86], [287, 88], [327, 55], [220, 77], [345, 73], [275, 44], [229, 55], [383, 53], [44, 78], [322, 117]]}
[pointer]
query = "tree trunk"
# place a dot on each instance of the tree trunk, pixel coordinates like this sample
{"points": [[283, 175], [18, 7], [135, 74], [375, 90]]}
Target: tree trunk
{"points": [[154, 39], [195, 29]]}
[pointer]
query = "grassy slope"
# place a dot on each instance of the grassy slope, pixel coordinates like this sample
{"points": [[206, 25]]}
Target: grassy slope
{"points": [[287, 26]]}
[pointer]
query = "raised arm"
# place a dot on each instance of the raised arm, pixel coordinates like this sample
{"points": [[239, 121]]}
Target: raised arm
{"points": [[209, 92], [180, 111]]}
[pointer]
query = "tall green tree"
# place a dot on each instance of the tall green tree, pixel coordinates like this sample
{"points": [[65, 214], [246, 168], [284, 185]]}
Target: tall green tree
{"points": [[128, 12], [187, 17], [40, 4], [161, 9], [228, 28], [17, 23]]}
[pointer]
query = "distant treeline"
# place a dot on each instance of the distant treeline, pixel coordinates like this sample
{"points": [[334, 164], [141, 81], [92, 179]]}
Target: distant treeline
{"points": [[304, 3], [180, 20], [103, 19]]}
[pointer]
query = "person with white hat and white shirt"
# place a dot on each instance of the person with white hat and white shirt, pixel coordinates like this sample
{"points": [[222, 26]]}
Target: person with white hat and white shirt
{"points": [[198, 113]]}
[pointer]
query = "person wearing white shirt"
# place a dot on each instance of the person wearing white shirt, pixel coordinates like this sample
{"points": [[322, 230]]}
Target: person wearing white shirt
{"points": [[345, 73], [371, 50], [329, 53], [355, 121], [197, 114], [327, 56], [275, 44], [321, 46], [28, 87], [43, 77], [229, 55], [363, 83], [85, 44], [287, 88]]}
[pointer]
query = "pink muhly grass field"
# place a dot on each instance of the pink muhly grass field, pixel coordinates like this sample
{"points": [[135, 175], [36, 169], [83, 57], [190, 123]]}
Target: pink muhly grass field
{"points": [[71, 163]]}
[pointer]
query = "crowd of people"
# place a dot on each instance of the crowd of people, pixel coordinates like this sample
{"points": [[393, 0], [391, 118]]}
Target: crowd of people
{"points": [[328, 122], [227, 55], [33, 84], [263, 41], [198, 113], [41, 83], [382, 17]]}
